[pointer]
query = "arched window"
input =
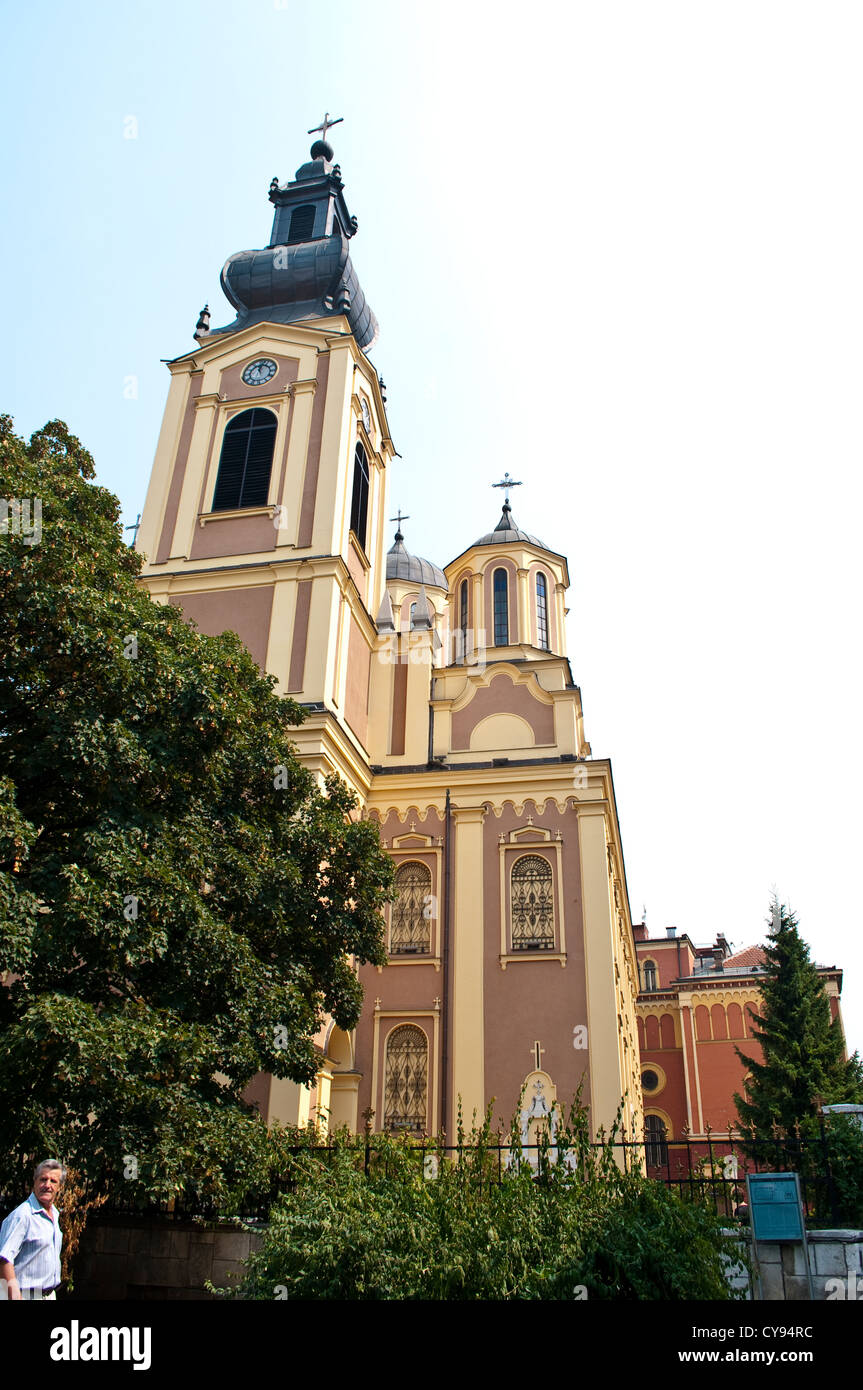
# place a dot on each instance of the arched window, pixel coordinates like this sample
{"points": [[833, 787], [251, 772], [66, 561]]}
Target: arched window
{"points": [[410, 930], [650, 978], [656, 1147], [501, 609], [244, 464], [406, 1080], [532, 904], [461, 643], [541, 612], [360, 497], [302, 223]]}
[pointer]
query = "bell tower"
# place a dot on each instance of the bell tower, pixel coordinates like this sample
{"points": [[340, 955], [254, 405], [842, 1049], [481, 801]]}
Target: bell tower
{"points": [[265, 512]]}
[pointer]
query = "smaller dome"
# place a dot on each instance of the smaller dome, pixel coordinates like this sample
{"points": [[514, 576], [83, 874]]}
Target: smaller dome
{"points": [[506, 531], [411, 569]]}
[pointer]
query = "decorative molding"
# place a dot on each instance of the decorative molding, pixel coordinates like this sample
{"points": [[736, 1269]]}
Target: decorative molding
{"points": [[308, 386], [228, 514]]}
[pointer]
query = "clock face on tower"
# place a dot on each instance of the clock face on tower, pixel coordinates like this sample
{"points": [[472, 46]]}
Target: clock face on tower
{"points": [[260, 371]]}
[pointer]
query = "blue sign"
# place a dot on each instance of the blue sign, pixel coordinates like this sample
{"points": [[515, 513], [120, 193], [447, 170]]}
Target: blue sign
{"points": [[775, 1208]]}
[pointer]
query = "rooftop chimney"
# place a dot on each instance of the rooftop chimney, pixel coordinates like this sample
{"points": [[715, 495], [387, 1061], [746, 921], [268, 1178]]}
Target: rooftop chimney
{"points": [[670, 931]]}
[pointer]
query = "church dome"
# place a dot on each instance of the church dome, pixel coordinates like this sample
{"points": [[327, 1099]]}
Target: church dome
{"points": [[411, 569], [507, 531]]}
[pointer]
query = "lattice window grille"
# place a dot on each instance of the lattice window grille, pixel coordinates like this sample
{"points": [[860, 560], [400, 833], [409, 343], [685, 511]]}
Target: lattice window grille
{"points": [[406, 1080], [410, 929], [532, 904]]}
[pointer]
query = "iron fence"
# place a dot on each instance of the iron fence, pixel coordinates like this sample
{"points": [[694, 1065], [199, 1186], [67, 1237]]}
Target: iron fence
{"points": [[710, 1170]]}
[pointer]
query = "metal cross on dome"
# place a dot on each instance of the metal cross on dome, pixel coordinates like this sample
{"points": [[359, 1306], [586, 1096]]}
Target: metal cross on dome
{"points": [[399, 518], [507, 482], [325, 125]]}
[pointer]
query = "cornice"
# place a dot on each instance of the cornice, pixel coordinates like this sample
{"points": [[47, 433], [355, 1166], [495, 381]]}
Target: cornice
{"points": [[338, 748], [218, 345], [510, 549]]}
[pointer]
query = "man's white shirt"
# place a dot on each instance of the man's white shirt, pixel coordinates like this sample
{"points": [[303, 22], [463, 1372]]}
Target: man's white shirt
{"points": [[30, 1238]]}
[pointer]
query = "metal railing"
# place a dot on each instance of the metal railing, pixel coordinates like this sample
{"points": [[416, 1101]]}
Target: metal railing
{"points": [[710, 1170]]}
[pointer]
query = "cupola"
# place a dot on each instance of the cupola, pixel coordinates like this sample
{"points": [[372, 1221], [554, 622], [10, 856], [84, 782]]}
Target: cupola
{"points": [[306, 271], [411, 569]]}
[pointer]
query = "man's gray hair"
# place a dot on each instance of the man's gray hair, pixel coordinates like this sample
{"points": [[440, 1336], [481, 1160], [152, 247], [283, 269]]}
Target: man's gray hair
{"points": [[50, 1163]]}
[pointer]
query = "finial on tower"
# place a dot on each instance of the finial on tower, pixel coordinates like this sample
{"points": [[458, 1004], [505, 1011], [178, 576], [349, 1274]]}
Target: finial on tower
{"points": [[202, 327], [398, 519], [321, 149]]}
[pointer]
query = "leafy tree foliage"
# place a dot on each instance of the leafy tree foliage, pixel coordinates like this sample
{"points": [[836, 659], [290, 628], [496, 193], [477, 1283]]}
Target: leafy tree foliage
{"points": [[376, 1223], [179, 899], [804, 1051]]}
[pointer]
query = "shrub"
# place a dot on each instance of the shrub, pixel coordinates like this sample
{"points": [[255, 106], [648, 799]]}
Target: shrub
{"points": [[364, 1220]]}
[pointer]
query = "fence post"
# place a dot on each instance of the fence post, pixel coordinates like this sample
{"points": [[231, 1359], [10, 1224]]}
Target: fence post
{"points": [[831, 1182]]}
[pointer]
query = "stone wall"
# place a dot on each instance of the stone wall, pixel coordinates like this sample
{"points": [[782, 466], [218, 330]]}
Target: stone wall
{"points": [[140, 1258], [835, 1262], [129, 1258]]}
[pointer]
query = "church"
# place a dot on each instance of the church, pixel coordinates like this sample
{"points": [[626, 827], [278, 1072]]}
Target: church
{"points": [[442, 694]]}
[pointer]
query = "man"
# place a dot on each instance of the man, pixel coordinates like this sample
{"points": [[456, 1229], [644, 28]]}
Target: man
{"points": [[30, 1239]]}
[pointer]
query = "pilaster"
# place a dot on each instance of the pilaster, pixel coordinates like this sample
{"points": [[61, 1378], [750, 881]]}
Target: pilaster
{"points": [[468, 1033]]}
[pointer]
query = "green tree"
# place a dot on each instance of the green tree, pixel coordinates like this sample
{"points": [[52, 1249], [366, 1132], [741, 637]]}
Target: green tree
{"points": [[179, 899], [803, 1049]]}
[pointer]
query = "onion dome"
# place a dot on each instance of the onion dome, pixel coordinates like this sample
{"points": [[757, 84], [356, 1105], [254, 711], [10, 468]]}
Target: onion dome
{"points": [[507, 531], [411, 569], [306, 271]]}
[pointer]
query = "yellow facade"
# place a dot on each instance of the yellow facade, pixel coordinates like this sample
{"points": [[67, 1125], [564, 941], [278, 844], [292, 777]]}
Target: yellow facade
{"points": [[443, 697]]}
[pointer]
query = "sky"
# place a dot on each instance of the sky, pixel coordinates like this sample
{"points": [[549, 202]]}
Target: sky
{"points": [[615, 251]]}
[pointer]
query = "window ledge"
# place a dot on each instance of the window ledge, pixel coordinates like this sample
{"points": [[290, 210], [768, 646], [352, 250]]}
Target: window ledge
{"points": [[205, 517], [411, 960], [364, 560], [514, 957]]}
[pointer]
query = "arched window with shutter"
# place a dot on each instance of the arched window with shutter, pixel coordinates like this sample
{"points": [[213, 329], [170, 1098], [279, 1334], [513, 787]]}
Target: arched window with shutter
{"points": [[532, 904], [541, 612], [650, 976], [406, 1080], [360, 496], [410, 930], [243, 479], [655, 1141], [302, 223], [501, 609]]}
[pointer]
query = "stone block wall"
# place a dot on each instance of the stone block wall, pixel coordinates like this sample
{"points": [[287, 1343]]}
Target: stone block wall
{"points": [[835, 1262], [140, 1258]]}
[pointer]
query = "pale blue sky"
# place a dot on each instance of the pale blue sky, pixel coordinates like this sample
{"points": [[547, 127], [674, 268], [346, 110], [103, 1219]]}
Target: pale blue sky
{"points": [[615, 250]]}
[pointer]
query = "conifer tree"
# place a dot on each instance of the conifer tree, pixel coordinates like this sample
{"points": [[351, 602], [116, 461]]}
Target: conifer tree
{"points": [[804, 1051]]}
